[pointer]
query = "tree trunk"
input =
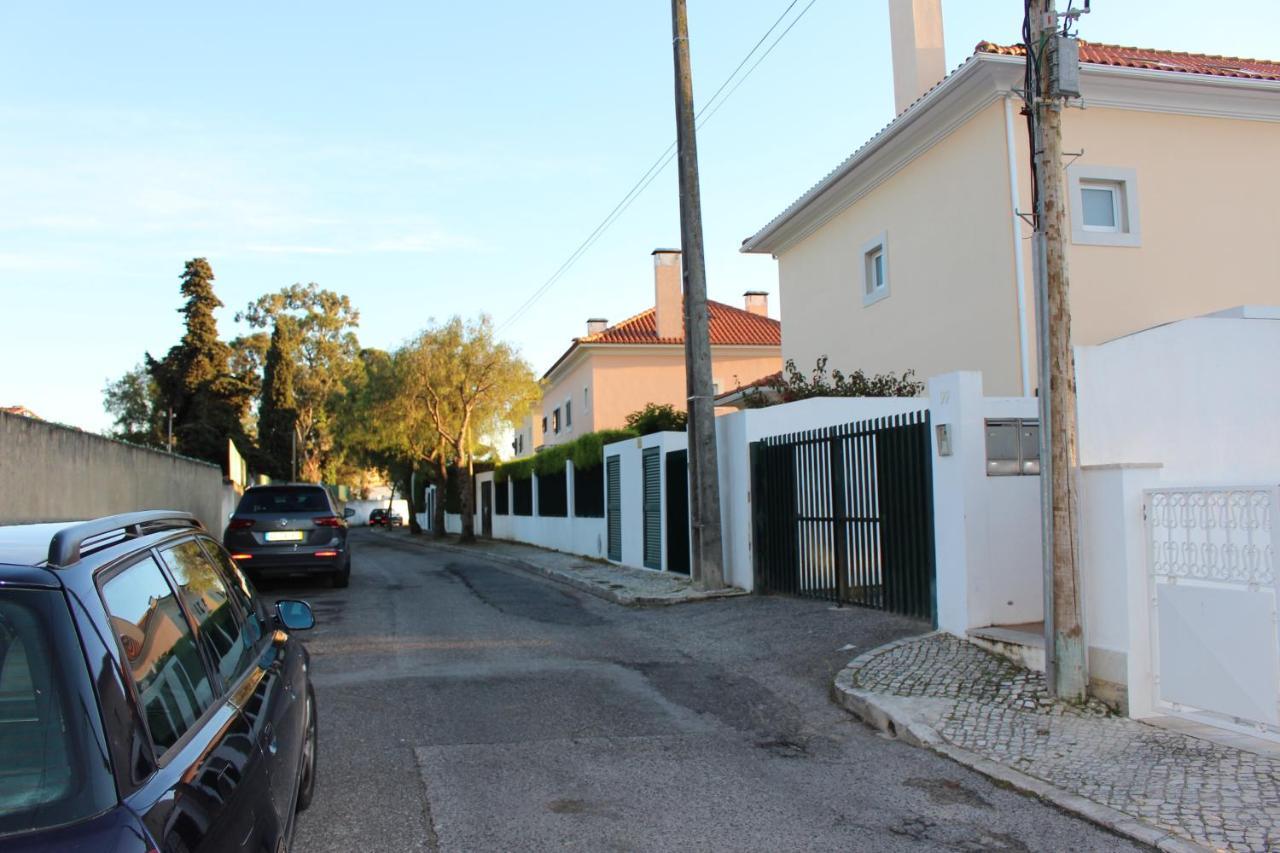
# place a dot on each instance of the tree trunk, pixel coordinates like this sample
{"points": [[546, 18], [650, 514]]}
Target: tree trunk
{"points": [[442, 485], [415, 529], [466, 496]]}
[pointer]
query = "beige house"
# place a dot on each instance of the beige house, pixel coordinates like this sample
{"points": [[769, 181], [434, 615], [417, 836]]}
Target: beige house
{"points": [[912, 252], [615, 370]]}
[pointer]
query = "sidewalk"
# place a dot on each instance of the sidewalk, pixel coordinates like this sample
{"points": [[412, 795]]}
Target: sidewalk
{"points": [[619, 584], [1160, 787]]}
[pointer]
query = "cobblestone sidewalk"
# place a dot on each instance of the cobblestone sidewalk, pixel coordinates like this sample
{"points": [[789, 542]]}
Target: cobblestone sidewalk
{"points": [[619, 584], [1214, 795]]}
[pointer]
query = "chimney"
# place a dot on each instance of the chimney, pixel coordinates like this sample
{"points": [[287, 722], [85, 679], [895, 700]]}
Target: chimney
{"points": [[668, 294], [919, 63], [596, 325], [756, 302]]}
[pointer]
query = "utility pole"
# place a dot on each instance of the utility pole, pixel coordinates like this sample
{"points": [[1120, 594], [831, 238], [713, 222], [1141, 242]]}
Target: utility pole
{"points": [[704, 478], [1053, 63]]}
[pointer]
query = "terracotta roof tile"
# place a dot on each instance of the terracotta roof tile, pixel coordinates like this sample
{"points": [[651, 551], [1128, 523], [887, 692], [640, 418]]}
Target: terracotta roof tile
{"points": [[729, 327], [1157, 60]]}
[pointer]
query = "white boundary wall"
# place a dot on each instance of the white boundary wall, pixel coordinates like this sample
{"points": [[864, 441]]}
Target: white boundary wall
{"points": [[570, 534], [1190, 403], [631, 462]]}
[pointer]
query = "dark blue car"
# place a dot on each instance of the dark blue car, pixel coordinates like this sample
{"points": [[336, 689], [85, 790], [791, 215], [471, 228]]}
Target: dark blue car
{"points": [[149, 701]]}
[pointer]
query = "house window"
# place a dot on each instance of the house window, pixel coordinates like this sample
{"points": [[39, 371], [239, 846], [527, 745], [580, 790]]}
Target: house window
{"points": [[544, 424], [555, 420], [568, 414], [875, 270], [586, 398], [1104, 206]]}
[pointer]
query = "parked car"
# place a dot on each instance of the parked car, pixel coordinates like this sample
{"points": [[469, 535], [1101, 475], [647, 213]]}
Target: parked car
{"points": [[385, 518], [150, 702], [290, 530]]}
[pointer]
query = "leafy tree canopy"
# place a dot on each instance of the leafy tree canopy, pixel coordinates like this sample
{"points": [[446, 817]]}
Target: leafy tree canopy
{"points": [[657, 417]]}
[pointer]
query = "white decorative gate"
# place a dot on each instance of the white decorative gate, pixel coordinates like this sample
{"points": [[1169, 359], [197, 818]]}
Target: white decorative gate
{"points": [[1212, 582]]}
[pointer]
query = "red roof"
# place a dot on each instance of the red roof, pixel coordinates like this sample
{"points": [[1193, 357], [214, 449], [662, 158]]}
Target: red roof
{"points": [[1158, 60], [729, 327]]}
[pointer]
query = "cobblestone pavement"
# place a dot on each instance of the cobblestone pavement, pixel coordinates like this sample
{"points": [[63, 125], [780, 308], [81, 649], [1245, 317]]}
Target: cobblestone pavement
{"points": [[1214, 795]]}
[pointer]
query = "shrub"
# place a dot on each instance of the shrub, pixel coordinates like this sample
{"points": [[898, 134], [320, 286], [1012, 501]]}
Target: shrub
{"points": [[791, 385], [656, 417]]}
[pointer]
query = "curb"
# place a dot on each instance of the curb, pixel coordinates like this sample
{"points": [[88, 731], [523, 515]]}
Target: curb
{"points": [[899, 719], [612, 596]]}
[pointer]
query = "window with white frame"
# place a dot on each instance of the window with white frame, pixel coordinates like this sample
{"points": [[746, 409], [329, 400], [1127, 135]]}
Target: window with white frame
{"points": [[875, 270], [586, 398], [555, 420], [1104, 206], [568, 414]]}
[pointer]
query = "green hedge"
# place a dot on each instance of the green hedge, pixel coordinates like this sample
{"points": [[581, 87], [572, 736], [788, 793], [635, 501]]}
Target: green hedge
{"points": [[586, 452]]}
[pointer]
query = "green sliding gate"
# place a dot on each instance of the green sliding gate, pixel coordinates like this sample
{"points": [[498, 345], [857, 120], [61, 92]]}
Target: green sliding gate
{"points": [[846, 514], [613, 511], [652, 515]]}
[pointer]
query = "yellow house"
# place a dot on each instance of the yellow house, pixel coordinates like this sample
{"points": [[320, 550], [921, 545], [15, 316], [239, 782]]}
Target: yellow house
{"points": [[912, 253], [615, 370]]}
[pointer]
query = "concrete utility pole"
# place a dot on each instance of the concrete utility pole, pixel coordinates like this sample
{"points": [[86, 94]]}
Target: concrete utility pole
{"points": [[704, 478], [1055, 65]]}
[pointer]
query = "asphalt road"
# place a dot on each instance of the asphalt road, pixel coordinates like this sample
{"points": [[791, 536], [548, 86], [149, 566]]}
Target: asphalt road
{"points": [[469, 706]]}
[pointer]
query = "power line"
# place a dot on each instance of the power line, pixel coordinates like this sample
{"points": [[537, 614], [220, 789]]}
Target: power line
{"points": [[656, 168]]}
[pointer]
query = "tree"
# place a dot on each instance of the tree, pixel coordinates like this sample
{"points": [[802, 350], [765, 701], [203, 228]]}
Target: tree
{"points": [[791, 385], [194, 378], [133, 402], [324, 352], [277, 406], [655, 417], [458, 382]]}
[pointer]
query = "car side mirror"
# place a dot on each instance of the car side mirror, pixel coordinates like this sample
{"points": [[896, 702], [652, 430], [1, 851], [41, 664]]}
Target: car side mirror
{"points": [[295, 615], [348, 512]]}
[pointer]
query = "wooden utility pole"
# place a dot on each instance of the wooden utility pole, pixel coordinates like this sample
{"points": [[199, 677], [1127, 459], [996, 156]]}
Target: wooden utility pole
{"points": [[1064, 636], [704, 478]]}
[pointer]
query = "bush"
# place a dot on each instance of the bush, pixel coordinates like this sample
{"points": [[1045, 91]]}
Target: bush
{"points": [[586, 452], [656, 417], [792, 385]]}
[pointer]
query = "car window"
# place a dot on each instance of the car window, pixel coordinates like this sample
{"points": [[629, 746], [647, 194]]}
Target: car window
{"points": [[219, 622], [160, 650], [53, 763], [284, 500], [251, 606]]}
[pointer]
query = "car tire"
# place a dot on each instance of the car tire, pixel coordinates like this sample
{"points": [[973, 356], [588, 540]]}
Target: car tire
{"points": [[307, 784], [343, 578]]}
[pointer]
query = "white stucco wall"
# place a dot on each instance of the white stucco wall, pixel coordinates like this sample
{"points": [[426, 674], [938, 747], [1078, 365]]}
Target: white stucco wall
{"points": [[631, 461]]}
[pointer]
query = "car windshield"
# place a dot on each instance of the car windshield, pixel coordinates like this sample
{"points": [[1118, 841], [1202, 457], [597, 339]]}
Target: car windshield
{"points": [[284, 500], [53, 762]]}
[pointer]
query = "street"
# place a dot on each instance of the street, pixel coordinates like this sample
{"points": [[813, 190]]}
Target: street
{"points": [[468, 706]]}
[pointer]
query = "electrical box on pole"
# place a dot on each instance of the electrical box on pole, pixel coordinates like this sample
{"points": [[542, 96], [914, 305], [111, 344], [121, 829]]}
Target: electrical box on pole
{"points": [[1066, 59]]}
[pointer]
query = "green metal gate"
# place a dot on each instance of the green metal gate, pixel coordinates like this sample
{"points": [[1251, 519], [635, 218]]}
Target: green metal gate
{"points": [[652, 464], [846, 514], [613, 499], [677, 471]]}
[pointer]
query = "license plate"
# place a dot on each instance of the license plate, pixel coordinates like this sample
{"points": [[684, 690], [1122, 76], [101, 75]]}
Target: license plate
{"points": [[284, 536]]}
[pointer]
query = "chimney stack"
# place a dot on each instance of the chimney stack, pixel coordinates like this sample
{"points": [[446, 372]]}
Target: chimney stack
{"points": [[596, 325], [756, 302], [668, 293], [919, 62]]}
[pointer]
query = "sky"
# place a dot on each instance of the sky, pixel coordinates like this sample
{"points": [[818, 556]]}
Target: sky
{"points": [[425, 158]]}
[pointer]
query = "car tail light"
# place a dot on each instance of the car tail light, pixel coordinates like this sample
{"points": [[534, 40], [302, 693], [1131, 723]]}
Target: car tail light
{"points": [[327, 521], [240, 523], [242, 556], [326, 553]]}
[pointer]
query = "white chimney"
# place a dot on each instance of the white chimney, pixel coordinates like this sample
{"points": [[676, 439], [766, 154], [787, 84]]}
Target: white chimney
{"points": [[596, 325], [756, 302], [919, 62], [668, 294]]}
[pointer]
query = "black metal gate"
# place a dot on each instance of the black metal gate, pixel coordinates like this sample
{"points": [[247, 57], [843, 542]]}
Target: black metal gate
{"points": [[652, 510], [677, 464], [613, 508], [486, 509], [846, 514]]}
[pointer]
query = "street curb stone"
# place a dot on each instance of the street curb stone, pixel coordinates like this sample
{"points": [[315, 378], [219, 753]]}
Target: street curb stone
{"points": [[610, 595], [901, 719]]}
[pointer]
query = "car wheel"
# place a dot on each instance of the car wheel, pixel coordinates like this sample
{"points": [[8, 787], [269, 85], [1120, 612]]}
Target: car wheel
{"points": [[343, 578], [307, 784]]}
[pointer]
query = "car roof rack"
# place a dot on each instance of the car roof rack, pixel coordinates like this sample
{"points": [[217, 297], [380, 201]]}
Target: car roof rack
{"points": [[67, 545]]}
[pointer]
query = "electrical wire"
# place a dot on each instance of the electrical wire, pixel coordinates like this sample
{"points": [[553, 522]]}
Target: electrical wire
{"points": [[701, 117]]}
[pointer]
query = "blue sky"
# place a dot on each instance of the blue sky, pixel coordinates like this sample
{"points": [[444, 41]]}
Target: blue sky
{"points": [[425, 158]]}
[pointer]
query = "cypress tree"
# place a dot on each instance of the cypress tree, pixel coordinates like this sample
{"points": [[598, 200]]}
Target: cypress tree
{"points": [[277, 410]]}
